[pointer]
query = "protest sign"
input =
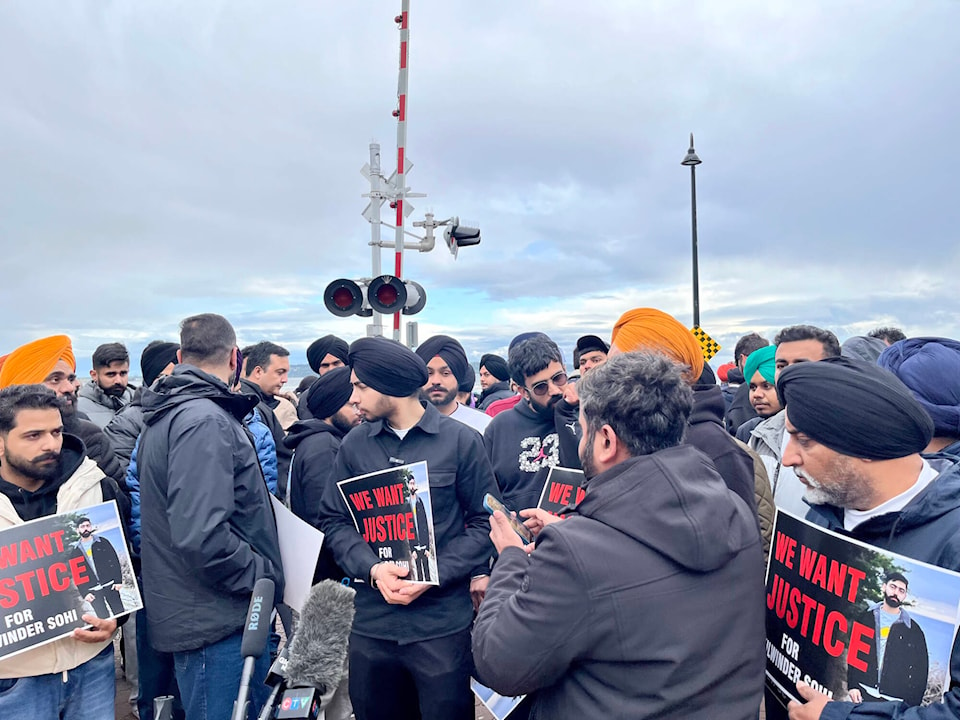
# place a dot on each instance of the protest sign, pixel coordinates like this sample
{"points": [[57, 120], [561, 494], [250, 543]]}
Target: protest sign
{"points": [[562, 490], [854, 621], [392, 511], [55, 569], [499, 705], [300, 545]]}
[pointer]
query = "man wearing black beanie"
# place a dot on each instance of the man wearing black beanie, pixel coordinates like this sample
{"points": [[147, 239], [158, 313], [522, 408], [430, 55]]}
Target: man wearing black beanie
{"points": [[410, 641], [855, 438]]}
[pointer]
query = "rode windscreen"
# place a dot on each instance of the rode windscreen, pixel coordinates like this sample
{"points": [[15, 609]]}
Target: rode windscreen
{"points": [[319, 648], [257, 627]]}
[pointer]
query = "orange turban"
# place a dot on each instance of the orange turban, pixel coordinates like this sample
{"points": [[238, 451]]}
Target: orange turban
{"points": [[650, 329], [31, 363]]}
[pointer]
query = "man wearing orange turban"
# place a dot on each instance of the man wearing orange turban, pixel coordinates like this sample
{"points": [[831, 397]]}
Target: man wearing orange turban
{"points": [[50, 361], [30, 364], [651, 330]]}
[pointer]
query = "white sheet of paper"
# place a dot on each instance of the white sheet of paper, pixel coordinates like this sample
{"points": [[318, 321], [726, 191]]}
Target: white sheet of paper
{"points": [[300, 545]]}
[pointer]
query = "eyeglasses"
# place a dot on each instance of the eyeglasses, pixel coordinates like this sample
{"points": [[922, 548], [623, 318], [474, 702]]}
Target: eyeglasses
{"points": [[541, 388]]}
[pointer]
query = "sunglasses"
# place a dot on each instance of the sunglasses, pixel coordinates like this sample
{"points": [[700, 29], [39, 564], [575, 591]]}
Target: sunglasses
{"points": [[540, 389]]}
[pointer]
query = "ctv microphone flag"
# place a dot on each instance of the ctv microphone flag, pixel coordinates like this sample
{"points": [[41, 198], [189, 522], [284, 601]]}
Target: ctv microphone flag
{"points": [[392, 510], [58, 568]]}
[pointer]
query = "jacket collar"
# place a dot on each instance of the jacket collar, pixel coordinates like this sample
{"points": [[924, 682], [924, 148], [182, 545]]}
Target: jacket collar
{"points": [[428, 423]]}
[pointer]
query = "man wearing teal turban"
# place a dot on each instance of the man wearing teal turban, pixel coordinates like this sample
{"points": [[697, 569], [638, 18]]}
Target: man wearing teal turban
{"points": [[760, 372]]}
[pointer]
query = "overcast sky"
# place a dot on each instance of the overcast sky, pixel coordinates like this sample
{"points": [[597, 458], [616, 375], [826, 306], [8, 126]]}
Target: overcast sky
{"points": [[160, 158]]}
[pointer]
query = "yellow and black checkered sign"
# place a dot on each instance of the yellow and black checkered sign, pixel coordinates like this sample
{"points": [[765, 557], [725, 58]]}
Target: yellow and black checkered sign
{"points": [[708, 345]]}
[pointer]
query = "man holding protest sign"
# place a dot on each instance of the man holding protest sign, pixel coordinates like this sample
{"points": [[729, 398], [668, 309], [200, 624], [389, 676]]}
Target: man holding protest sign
{"points": [[410, 640], [646, 601], [105, 577], [45, 472], [855, 438]]}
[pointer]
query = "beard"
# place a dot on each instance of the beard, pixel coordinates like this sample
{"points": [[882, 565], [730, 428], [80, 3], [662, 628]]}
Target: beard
{"points": [[545, 411], [586, 458], [345, 420], [847, 489], [448, 397], [69, 406], [892, 600], [86, 534], [39, 468], [114, 390]]}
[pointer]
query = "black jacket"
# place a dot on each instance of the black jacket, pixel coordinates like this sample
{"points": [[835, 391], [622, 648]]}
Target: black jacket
{"points": [[497, 391], [314, 444], [266, 405], [97, 447], [124, 429], [460, 476], [567, 422], [208, 530], [43, 501], [106, 562], [705, 432], [522, 447], [647, 601], [905, 660]]}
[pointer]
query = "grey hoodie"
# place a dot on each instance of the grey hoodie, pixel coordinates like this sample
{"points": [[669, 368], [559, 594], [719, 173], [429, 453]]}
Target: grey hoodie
{"points": [[646, 602]]}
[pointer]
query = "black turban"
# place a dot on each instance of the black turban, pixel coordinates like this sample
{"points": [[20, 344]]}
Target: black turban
{"points": [[496, 366], [327, 345], [387, 366], [591, 343], [450, 351], [155, 357], [854, 408], [468, 381], [329, 393]]}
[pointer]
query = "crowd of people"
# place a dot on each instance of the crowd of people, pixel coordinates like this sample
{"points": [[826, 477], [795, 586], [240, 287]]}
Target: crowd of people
{"points": [[645, 598]]}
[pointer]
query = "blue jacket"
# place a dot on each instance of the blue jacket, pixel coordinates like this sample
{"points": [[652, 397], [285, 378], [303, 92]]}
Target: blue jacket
{"points": [[927, 529]]}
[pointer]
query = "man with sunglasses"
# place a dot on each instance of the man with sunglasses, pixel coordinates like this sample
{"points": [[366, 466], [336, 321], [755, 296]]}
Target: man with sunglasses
{"points": [[522, 442]]}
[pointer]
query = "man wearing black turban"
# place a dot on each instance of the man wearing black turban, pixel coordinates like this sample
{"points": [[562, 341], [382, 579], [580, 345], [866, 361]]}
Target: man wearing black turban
{"points": [[428, 641], [494, 380], [855, 438], [323, 355], [447, 368]]}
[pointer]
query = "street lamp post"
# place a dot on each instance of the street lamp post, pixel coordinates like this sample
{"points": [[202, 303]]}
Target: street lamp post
{"points": [[691, 161]]}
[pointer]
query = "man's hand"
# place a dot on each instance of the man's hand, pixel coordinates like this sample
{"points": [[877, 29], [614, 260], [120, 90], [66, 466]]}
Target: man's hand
{"points": [[102, 630], [289, 395], [478, 589], [815, 702], [89, 598], [571, 394], [393, 587], [537, 519], [856, 696], [501, 534]]}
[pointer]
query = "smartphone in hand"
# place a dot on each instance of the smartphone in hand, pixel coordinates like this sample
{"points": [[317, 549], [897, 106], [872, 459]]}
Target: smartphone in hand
{"points": [[492, 505]]}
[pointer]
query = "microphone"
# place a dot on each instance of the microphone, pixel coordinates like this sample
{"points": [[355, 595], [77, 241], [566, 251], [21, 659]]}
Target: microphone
{"points": [[319, 648], [254, 640], [318, 651]]}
